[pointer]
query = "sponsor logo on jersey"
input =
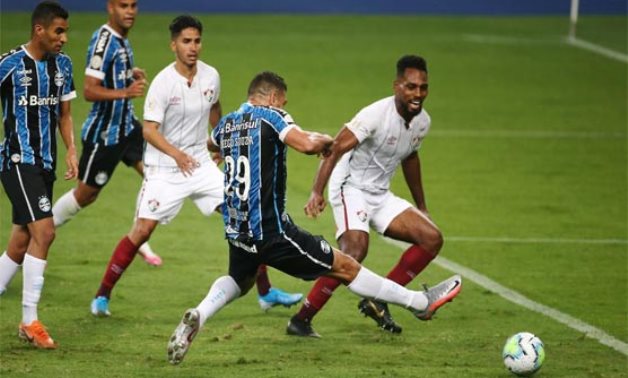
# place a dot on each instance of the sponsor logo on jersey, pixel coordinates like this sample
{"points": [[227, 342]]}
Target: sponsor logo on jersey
{"points": [[101, 178], [209, 95], [95, 62], [59, 79], [44, 204], [102, 41], [37, 101], [123, 75], [153, 205]]}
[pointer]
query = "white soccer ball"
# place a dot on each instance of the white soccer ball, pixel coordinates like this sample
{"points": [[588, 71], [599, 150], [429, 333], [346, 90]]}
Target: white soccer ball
{"points": [[523, 354]]}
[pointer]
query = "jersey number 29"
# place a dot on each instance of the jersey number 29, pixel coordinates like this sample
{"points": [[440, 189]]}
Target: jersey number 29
{"points": [[239, 177]]}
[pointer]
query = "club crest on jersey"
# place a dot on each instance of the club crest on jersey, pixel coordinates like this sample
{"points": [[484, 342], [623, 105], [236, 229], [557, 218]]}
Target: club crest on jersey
{"points": [[153, 205], [101, 178], [44, 204], [59, 79], [325, 247], [361, 215]]}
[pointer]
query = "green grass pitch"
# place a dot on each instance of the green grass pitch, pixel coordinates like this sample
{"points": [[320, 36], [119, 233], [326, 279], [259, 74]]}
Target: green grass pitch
{"points": [[528, 144]]}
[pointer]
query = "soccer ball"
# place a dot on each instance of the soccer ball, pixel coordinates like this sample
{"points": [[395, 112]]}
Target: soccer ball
{"points": [[523, 354]]}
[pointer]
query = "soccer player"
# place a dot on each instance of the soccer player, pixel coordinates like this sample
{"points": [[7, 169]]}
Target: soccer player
{"points": [[111, 132], [366, 153], [181, 103], [36, 87], [253, 142]]}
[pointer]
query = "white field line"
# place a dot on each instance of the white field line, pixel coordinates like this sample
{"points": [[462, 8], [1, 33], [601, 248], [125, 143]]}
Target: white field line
{"points": [[515, 297], [534, 240], [616, 55], [527, 134]]}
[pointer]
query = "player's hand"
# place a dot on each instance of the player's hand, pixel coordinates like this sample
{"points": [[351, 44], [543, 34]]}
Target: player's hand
{"points": [[136, 89], [186, 163], [72, 164], [216, 157], [139, 74], [315, 205]]}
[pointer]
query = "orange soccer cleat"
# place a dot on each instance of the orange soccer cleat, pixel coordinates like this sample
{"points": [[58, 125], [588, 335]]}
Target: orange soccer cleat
{"points": [[36, 334]]}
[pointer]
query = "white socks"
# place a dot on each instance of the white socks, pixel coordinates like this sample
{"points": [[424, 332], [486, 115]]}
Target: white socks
{"points": [[65, 208], [223, 291], [369, 285], [8, 268], [33, 275]]}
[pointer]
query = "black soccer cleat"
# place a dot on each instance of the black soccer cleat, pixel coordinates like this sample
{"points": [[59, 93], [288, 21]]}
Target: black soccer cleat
{"points": [[378, 311], [298, 327]]}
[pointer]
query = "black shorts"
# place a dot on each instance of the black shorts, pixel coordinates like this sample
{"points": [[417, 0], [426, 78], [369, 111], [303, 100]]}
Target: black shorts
{"points": [[296, 252], [29, 189], [98, 161]]}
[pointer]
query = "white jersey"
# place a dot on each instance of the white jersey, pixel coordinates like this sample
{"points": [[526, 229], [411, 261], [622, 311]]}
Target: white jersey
{"points": [[384, 141], [182, 112]]}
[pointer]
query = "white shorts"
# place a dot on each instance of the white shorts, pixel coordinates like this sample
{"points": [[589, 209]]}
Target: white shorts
{"points": [[165, 188], [356, 209]]}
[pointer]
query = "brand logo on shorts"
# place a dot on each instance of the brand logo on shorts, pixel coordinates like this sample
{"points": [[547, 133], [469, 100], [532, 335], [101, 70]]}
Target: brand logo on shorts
{"points": [[325, 247], [153, 205], [16, 158], [101, 178], [361, 215], [44, 204]]}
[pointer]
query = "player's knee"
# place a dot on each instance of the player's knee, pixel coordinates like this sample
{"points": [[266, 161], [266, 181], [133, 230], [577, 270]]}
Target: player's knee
{"points": [[433, 241], [46, 237]]}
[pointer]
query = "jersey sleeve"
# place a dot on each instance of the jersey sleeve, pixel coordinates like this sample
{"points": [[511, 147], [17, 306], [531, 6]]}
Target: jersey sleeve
{"points": [[7, 65], [156, 101], [98, 56], [362, 125], [68, 92], [282, 122]]}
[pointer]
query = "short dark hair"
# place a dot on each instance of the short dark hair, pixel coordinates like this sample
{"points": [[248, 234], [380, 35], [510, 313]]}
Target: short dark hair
{"points": [[183, 22], [410, 61], [46, 11], [264, 82]]}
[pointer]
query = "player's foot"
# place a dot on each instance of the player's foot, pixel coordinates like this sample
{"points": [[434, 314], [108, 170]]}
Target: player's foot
{"points": [[183, 335], [36, 334], [150, 258], [276, 297], [298, 327], [100, 306], [379, 312], [438, 295]]}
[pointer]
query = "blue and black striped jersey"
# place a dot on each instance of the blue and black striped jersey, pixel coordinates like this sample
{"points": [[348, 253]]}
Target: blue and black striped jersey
{"points": [[251, 142], [31, 92], [110, 59]]}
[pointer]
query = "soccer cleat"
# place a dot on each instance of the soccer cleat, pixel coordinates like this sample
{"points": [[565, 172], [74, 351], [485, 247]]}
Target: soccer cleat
{"points": [[150, 258], [298, 327], [378, 311], [183, 335], [438, 295], [100, 306], [276, 297], [36, 334]]}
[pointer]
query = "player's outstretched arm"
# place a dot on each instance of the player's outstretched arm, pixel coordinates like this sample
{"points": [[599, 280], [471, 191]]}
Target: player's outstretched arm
{"points": [[308, 142], [66, 129], [344, 141]]}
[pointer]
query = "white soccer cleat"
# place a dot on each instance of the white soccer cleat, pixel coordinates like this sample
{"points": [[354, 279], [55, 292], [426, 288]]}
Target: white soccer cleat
{"points": [[183, 335], [438, 295]]}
